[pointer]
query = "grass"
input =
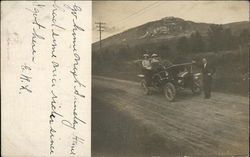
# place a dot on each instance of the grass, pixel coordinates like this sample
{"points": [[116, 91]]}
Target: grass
{"points": [[231, 70]]}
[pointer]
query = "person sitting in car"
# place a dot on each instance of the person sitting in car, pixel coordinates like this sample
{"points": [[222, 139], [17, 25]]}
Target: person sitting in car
{"points": [[155, 62], [147, 68], [155, 58]]}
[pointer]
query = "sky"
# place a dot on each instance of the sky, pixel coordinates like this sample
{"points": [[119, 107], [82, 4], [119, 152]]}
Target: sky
{"points": [[122, 15]]}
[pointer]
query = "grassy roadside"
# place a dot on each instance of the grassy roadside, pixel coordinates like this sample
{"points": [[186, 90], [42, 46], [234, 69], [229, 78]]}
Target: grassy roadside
{"points": [[231, 70]]}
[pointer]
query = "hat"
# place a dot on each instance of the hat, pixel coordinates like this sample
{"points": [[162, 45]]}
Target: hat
{"points": [[145, 55], [154, 55]]}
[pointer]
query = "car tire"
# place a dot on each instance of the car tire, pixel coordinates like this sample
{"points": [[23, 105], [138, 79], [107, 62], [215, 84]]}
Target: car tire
{"points": [[145, 88], [169, 91], [196, 89]]}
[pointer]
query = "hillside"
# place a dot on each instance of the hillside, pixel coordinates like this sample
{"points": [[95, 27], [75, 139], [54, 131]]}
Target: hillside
{"points": [[178, 41], [168, 28]]}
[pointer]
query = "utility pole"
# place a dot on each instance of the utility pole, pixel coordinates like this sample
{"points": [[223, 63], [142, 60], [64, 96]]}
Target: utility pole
{"points": [[100, 28]]}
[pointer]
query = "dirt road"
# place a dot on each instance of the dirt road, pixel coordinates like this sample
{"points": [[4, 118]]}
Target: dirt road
{"points": [[191, 125]]}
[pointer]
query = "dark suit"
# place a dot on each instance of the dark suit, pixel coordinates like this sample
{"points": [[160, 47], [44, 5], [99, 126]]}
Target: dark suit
{"points": [[207, 79]]}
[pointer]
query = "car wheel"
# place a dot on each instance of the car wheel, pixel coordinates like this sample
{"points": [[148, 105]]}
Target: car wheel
{"points": [[145, 88], [196, 89], [169, 91]]}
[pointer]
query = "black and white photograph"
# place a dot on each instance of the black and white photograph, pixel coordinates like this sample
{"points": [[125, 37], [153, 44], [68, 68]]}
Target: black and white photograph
{"points": [[170, 78]]}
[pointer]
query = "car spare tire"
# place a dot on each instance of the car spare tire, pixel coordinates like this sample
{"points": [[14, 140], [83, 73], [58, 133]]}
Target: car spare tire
{"points": [[169, 91]]}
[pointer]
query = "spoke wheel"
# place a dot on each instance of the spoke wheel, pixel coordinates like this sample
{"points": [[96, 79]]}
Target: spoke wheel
{"points": [[196, 89], [145, 88], [169, 91]]}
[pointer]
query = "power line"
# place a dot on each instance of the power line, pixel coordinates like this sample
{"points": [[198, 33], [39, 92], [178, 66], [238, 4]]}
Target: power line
{"points": [[138, 12], [100, 27]]}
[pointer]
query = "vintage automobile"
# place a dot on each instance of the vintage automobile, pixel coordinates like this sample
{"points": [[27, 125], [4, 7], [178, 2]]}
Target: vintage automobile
{"points": [[172, 79]]}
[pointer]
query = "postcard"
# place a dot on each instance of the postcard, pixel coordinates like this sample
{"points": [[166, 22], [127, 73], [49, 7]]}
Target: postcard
{"points": [[125, 78]]}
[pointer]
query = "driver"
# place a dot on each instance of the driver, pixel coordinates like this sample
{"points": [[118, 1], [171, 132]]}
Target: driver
{"points": [[147, 68], [155, 58], [155, 61]]}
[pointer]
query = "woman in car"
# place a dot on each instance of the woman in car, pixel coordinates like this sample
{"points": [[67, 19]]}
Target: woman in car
{"points": [[147, 68]]}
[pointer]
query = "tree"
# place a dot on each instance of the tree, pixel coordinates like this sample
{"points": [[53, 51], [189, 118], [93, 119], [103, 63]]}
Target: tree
{"points": [[196, 42], [123, 53], [244, 36], [164, 50], [220, 38], [228, 39], [215, 36], [183, 45]]}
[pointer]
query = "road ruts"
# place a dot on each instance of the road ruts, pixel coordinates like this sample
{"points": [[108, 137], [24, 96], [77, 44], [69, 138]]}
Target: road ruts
{"points": [[215, 126]]}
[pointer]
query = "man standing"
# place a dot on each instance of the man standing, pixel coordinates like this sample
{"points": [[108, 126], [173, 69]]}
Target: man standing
{"points": [[207, 70]]}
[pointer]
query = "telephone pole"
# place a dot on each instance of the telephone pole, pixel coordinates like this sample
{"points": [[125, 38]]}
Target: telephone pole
{"points": [[100, 28]]}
